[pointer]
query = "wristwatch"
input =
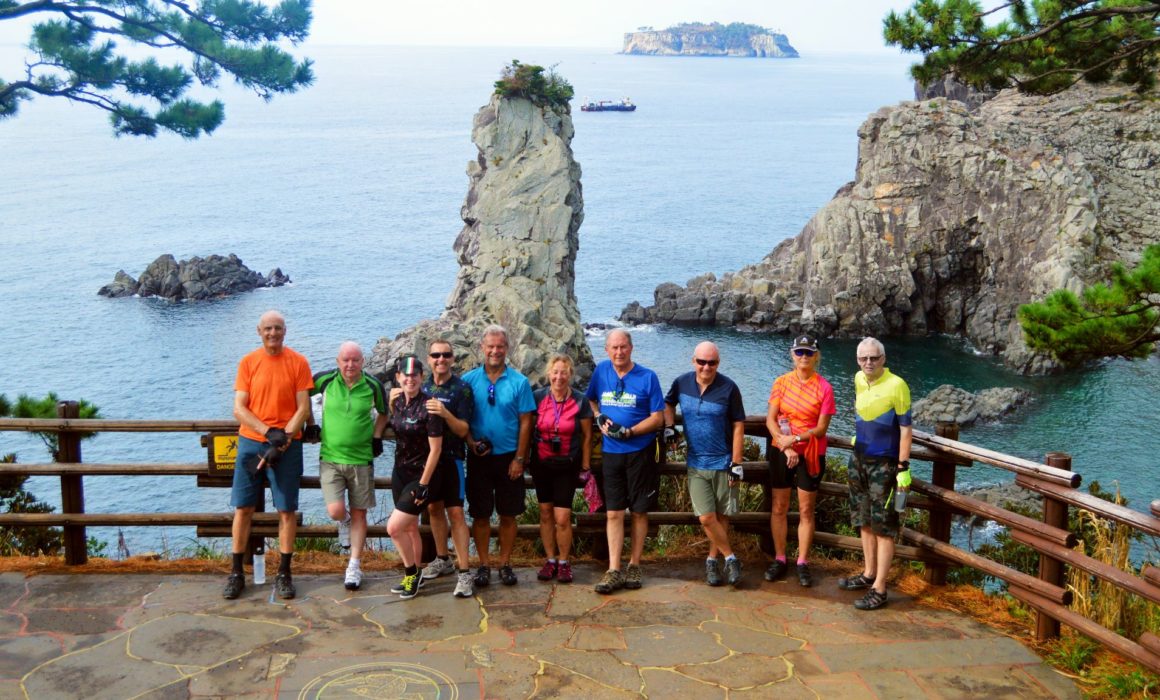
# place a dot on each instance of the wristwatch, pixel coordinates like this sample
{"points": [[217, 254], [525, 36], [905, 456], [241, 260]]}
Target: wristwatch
{"points": [[797, 439], [521, 460]]}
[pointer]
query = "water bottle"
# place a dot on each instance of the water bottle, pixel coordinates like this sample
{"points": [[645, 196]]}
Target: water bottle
{"points": [[260, 563], [736, 473], [783, 422], [900, 493]]}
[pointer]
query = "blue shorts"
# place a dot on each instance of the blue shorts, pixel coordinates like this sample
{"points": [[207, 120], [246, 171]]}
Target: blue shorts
{"points": [[284, 479]]}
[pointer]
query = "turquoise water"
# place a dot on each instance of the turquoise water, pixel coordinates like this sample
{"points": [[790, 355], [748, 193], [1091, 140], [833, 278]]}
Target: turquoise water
{"points": [[354, 189]]}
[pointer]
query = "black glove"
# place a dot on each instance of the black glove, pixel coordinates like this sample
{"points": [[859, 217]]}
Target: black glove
{"points": [[270, 457], [736, 471], [672, 435], [617, 431], [482, 447], [376, 446], [277, 437], [312, 433], [420, 493]]}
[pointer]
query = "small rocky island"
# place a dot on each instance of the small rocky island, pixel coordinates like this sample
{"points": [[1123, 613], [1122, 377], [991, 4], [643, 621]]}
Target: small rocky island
{"points": [[715, 39], [196, 279]]}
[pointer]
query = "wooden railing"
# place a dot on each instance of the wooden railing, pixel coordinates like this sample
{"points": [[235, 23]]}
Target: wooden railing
{"points": [[1050, 537]]}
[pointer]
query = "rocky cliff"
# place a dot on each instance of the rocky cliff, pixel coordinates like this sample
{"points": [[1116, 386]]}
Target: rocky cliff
{"points": [[517, 249], [955, 218], [196, 279], [714, 39]]}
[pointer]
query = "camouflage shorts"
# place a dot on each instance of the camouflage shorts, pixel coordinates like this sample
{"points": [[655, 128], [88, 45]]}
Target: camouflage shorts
{"points": [[871, 483]]}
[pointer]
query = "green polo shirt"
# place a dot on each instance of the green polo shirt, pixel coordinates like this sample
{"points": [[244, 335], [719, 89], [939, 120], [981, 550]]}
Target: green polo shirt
{"points": [[348, 416]]}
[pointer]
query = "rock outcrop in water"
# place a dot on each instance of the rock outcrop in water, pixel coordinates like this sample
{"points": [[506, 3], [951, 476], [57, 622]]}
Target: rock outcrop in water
{"points": [[196, 279], [954, 219], [715, 39], [949, 403], [517, 249]]}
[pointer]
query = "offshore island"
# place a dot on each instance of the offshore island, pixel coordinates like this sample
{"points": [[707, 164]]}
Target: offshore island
{"points": [[735, 39]]}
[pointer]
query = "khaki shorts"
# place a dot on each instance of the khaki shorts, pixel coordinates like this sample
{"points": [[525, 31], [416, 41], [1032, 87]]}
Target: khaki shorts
{"points": [[710, 492], [338, 480]]}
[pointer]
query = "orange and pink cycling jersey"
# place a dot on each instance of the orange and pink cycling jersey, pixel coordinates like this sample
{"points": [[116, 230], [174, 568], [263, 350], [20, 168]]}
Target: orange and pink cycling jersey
{"points": [[803, 403]]}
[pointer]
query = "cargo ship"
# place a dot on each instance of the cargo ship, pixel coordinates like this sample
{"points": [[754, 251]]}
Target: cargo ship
{"points": [[624, 105]]}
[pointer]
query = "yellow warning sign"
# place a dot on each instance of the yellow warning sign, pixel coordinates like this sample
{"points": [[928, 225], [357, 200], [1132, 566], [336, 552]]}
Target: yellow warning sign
{"points": [[223, 450]]}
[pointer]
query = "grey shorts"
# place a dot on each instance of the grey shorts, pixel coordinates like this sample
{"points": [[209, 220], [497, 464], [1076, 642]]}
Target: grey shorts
{"points": [[709, 490], [338, 480]]}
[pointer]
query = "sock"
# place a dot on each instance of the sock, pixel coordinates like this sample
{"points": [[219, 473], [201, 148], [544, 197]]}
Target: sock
{"points": [[465, 571], [237, 565], [563, 561], [284, 564], [781, 558], [802, 561], [444, 557], [356, 563], [731, 557], [713, 559], [551, 561], [411, 570]]}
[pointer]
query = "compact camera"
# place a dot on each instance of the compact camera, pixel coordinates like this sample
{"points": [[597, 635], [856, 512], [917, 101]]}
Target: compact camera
{"points": [[554, 443]]}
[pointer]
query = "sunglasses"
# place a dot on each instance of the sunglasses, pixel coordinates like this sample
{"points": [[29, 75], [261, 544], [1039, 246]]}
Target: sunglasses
{"points": [[619, 389], [441, 355], [869, 358], [803, 352], [706, 363], [491, 394]]}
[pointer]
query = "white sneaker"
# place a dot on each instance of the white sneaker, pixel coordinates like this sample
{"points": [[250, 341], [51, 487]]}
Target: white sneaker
{"points": [[439, 567], [344, 533], [353, 577], [464, 587]]}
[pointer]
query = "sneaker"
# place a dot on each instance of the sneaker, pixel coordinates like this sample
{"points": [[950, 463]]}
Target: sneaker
{"points": [[463, 587], [548, 571], [871, 601], [775, 571], [507, 575], [855, 583], [712, 572], [483, 576], [398, 587], [564, 572], [632, 577], [611, 581], [353, 577], [805, 578], [438, 567], [410, 586], [344, 533], [284, 587], [235, 584], [733, 571]]}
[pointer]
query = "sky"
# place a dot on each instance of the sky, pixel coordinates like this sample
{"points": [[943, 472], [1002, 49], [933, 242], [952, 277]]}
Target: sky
{"points": [[813, 26]]}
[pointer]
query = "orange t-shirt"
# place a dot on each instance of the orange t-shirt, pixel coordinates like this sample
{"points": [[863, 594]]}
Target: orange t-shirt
{"points": [[273, 383], [803, 403]]}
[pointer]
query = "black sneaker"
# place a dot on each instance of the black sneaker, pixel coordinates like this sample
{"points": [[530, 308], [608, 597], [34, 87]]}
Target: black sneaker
{"points": [[410, 585], [733, 571], [871, 601], [712, 572], [775, 571], [483, 577], [235, 584], [399, 588], [284, 587], [805, 578], [507, 575]]}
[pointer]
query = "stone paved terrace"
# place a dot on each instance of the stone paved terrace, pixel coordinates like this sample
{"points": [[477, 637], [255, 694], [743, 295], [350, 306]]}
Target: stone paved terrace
{"points": [[173, 636]]}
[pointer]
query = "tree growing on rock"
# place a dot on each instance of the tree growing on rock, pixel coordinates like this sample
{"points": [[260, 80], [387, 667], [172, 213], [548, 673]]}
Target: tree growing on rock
{"points": [[1120, 319], [1040, 47], [533, 83], [76, 55]]}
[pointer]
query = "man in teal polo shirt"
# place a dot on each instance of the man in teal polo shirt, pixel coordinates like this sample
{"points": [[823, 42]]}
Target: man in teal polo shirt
{"points": [[354, 415]]}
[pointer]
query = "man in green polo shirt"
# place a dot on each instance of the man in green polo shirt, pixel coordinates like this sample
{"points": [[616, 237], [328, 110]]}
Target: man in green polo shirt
{"points": [[354, 415]]}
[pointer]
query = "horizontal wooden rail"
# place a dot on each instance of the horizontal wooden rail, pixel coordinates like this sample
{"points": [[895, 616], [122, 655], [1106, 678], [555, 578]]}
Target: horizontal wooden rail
{"points": [[1006, 517], [126, 519], [1011, 576], [1104, 636], [1155, 507], [755, 427], [1151, 573], [1104, 509], [103, 425], [1095, 567], [1150, 642], [86, 469], [998, 459]]}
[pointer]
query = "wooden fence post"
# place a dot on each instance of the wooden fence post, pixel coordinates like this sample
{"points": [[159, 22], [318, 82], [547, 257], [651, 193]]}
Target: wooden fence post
{"points": [[943, 474], [72, 489], [765, 540], [1051, 569]]}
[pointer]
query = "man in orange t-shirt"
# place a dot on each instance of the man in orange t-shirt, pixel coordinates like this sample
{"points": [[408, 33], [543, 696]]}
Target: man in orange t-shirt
{"points": [[272, 403]]}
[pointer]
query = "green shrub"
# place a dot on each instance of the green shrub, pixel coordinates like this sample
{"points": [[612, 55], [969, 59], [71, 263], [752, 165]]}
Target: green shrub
{"points": [[533, 83]]}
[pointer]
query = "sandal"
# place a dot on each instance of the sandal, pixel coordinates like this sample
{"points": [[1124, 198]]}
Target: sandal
{"points": [[855, 583], [871, 601]]}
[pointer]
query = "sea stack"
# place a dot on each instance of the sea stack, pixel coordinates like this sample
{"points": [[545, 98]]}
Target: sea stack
{"points": [[517, 249], [955, 218]]}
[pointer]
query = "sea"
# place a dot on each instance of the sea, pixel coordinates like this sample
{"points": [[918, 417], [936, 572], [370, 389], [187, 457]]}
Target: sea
{"points": [[353, 188]]}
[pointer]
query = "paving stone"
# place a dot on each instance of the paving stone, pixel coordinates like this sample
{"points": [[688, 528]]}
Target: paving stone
{"points": [[88, 592], [244, 677], [825, 634], [806, 663], [512, 676], [555, 635], [422, 619], [574, 601], [965, 626], [840, 685], [12, 587], [1055, 682], [555, 682], [104, 671], [202, 640], [619, 612], [992, 682], [518, 617], [739, 671], [917, 655], [744, 640], [902, 627], [72, 622], [19, 655], [601, 666], [11, 623], [788, 689], [668, 645], [663, 683], [589, 638], [895, 685]]}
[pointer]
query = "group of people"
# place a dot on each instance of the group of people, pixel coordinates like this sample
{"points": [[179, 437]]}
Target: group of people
{"points": [[468, 440]]}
